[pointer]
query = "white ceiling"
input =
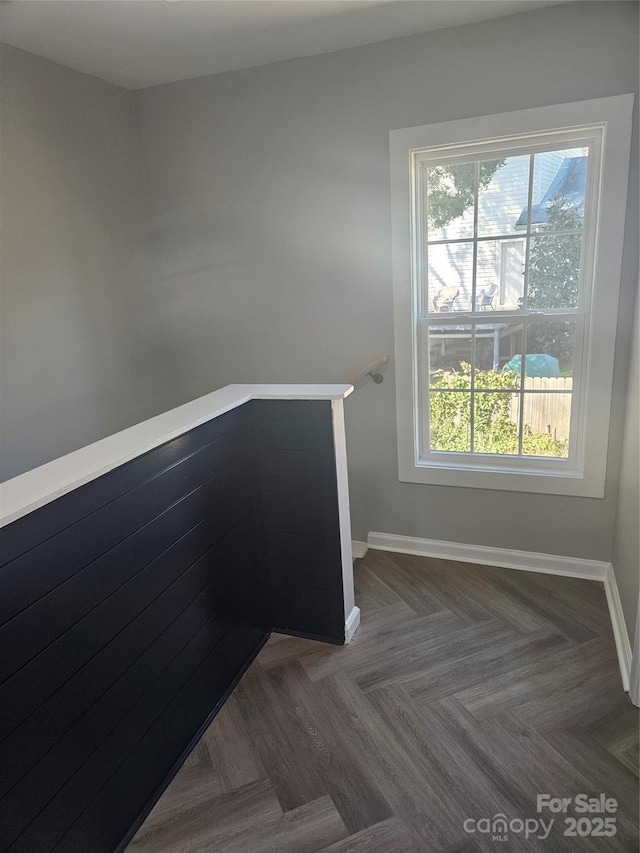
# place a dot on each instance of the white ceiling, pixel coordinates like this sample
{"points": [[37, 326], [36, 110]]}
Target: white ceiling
{"points": [[138, 43]]}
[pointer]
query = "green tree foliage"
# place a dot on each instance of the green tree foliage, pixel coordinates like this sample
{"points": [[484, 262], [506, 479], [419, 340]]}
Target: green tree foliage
{"points": [[556, 339], [554, 277], [554, 260], [451, 189], [494, 431]]}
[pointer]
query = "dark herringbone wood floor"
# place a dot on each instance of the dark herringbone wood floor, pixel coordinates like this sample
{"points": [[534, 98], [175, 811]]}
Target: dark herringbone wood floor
{"points": [[467, 691]]}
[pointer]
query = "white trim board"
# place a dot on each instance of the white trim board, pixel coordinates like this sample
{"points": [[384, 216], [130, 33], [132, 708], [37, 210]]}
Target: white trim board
{"points": [[528, 561], [344, 514], [351, 624], [620, 633], [359, 549], [634, 677], [33, 489]]}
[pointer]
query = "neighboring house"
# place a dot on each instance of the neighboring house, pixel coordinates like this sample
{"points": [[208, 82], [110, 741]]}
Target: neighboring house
{"points": [[569, 184], [502, 211]]}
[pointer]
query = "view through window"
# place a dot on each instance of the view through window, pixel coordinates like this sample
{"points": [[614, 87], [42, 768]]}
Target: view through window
{"points": [[507, 237], [503, 268]]}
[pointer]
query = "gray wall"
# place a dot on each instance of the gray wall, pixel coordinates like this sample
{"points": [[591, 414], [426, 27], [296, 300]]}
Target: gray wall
{"points": [[266, 255], [270, 234], [626, 552], [72, 212]]}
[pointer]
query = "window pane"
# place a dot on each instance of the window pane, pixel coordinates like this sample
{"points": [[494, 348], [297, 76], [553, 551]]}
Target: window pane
{"points": [[450, 201], [550, 349], [450, 421], [449, 277], [500, 275], [495, 422], [450, 356], [548, 387], [554, 271], [498, 355], [502, 195], [559, 186], [547, 417]]}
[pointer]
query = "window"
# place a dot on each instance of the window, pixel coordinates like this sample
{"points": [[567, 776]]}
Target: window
{"points": [[507, 245]]}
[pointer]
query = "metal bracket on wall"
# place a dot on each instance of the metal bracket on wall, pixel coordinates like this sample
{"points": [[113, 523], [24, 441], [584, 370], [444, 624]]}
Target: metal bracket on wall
{"points": [[368, 370]]}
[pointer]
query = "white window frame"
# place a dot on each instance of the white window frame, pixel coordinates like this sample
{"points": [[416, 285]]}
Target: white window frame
{"points": [[607, 121]]}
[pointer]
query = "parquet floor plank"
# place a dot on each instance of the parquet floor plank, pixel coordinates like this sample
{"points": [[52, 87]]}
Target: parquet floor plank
{"points": [[467, 691], [282, 751], [484, 659], [618, 733], [379, 838], [576, 665], [396, 649], [354, 790], [240, 767]]}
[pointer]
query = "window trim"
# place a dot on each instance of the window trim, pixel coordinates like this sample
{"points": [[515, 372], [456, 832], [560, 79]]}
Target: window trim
{"points": [[590, 137], [587, 476]]}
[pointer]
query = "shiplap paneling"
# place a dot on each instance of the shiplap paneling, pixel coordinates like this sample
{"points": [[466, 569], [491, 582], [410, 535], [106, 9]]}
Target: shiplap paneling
{"points": [[297, 476], [132, 605], [117, 599]]}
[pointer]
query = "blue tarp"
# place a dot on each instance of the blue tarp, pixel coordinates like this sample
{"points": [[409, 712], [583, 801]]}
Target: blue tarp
{"points": [[535, 364]]}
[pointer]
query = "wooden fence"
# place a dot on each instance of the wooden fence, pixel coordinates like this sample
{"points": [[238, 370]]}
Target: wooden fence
{"points": [[547, 412]]}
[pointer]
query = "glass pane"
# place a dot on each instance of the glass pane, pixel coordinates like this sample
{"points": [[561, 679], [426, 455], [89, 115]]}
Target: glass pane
{"points": [[502, 195], [550, 349], [449, 277], [559, 186], [548, 385], [450, 356], [547, 417], [495, 422], [498, 355], [554, 271], [450, 201], [500, 275], [450, 421]]}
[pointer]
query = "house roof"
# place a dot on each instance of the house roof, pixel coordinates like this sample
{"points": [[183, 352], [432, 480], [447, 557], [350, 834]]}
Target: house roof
{"points": [[569, 184]]}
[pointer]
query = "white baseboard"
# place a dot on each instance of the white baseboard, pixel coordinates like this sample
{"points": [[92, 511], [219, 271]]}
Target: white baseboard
{"points": [[634, 678], [529, 561], [359, 549], [620, 633], [352, 624]]}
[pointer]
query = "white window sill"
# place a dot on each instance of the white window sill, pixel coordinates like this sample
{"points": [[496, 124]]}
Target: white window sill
{"points": [[550, 482]]}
